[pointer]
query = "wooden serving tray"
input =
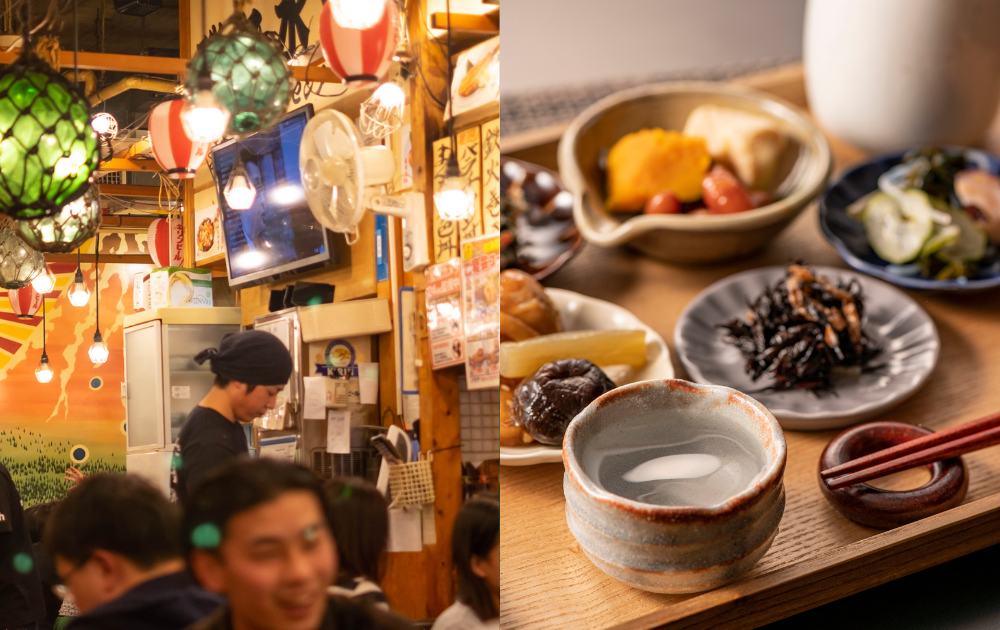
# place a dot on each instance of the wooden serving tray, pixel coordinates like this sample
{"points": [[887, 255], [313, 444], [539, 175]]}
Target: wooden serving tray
{"points": [[818, 555]]}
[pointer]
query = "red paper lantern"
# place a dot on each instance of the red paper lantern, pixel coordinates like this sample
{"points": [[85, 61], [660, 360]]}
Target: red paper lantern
{"points": [[25, 302], [166, 242], [359, 56], [176, 153]]}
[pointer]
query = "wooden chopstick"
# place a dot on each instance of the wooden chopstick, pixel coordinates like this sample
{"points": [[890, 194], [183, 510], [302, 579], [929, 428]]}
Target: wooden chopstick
{"points": [[913, 446], [954, 448]]}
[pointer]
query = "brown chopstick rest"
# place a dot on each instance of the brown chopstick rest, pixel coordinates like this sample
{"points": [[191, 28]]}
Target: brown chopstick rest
{"points": [[885, 509]]}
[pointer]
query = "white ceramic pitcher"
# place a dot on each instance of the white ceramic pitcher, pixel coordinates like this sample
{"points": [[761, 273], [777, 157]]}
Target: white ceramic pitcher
{"points": [[888, 74]]}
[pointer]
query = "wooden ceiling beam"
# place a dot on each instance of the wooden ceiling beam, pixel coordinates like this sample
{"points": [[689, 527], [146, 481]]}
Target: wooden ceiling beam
{"points": [[486, 23], [158, 65], [125, 164], [126, 190], [123, 259]]}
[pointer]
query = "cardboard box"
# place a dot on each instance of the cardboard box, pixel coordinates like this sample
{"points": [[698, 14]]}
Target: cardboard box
{"points": [[177, 286]]}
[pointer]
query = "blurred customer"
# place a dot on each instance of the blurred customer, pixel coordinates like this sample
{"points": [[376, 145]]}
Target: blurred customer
{"points": [[21, 603], [35, 518], [250, 369], [359, 518], [475, 550], [256, 532], [116, 546]]}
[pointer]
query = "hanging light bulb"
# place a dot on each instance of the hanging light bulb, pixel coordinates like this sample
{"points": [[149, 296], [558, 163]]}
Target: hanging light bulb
{"points": [[453, 199], [359, 14], [205, 118], [43, 372], [98, 350], [240, 191], [382, 113], [105, 125], [45, 281], [79, 294]]}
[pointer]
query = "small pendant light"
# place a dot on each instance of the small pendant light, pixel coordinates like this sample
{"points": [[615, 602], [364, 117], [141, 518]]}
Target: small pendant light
{"points": [[240, 191], [98, 350], [79, 293], [43, 372]]}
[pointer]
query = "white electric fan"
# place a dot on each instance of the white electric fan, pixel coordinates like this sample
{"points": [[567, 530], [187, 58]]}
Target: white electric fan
{"points": [[342, 179]]}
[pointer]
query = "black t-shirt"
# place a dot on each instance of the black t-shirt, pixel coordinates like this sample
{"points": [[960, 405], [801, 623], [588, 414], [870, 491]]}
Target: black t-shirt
{"points": [[20, 591], [207, 440]]}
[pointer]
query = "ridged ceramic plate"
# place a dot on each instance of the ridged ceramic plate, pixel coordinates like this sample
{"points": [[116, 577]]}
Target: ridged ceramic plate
{"points": [[904, 330], [580, 312]]}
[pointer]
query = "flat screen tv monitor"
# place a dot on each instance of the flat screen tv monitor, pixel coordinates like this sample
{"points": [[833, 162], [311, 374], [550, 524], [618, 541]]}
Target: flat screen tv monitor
{"points": [[278, 233]]}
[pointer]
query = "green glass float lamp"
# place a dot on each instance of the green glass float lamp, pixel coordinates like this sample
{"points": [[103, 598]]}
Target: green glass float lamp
{"points": [[48, 150], [19, 264], [246, 73], [71, 227]]}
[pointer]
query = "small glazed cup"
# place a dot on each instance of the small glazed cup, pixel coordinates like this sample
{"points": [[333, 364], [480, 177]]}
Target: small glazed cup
{"points": [[675, 549]]}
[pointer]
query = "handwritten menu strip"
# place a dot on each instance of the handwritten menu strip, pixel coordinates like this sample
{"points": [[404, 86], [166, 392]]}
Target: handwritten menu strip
{"points": [[491, 176], [445, 232], [471, 164]]}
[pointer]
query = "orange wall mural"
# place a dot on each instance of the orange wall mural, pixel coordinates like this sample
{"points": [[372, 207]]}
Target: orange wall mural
{"points": [[78, 418]]}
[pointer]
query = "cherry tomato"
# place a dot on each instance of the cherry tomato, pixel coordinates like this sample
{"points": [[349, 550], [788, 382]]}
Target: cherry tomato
{"points": [[723, 193], [663, 202]]}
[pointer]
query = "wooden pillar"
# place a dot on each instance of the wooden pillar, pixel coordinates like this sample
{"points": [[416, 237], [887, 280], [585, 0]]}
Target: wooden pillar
{"points": [[440, 424]]}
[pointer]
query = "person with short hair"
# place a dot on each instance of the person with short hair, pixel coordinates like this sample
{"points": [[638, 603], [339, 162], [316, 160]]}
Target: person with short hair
{"points": [[250, 369], [359, 519], [116, 546], [256, 532], [21, 604], [475, 549]]}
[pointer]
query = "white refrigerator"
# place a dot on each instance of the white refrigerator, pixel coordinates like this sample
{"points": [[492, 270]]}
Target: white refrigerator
{"points": [[163, 383]]}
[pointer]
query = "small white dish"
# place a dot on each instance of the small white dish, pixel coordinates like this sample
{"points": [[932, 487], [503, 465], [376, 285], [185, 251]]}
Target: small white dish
{"points": [[580, 312]]}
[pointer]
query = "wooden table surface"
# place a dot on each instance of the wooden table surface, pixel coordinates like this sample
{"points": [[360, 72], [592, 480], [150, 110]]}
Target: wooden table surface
{"points": [[818, 556]]}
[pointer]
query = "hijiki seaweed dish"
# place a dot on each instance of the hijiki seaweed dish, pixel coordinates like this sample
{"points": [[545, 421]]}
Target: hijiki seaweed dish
{"points": [[803, 331]]}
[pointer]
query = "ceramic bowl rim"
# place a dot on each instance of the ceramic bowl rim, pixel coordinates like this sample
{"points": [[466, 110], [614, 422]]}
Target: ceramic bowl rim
{"points": [[771, 476], [812, 184]]}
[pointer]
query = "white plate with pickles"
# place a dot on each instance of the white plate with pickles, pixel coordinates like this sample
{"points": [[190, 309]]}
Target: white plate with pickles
{"points": [[578, 313]]}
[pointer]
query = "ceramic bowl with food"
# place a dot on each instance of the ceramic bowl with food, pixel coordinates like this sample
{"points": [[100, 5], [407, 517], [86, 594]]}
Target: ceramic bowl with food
{"points": [[798, 174], [848, 232], [537, 234], [904, 336], [674, 487]]}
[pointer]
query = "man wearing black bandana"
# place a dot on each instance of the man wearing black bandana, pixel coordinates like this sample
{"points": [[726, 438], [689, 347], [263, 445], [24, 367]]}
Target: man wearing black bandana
{"points": [[250, 369]]}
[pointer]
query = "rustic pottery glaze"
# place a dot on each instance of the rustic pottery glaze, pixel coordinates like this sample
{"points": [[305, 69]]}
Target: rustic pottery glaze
{"points": [[686, 238], [676, 549], [884, 509]]}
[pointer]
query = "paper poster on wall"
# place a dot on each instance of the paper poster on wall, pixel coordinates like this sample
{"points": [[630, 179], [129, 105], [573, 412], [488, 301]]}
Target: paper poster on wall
{"points": [[209, 240], [381, 248], [444, 313], [481, 303], [408, 340], [338, 360], [476, 80], [491, 176], [338, 431]]}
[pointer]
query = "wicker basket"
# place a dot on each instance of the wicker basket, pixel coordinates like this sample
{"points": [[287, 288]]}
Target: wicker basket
{"points": [[411, 483]]}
